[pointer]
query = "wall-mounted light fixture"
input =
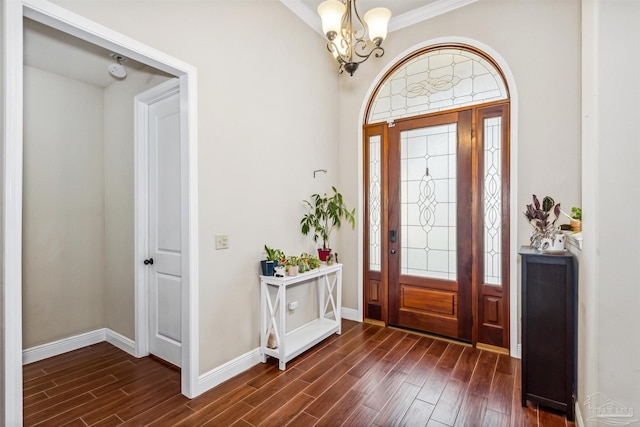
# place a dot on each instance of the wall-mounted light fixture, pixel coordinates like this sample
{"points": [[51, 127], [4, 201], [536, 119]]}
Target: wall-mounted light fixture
{"points": [[349, 45]]}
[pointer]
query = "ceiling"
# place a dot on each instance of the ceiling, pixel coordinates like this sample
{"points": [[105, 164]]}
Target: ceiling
{"points": [[60, 53], [404, 12]]}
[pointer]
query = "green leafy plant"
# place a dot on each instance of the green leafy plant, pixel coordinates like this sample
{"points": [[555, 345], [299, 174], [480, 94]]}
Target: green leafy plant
{"points": [[275, 255], [292, 260], [307, 262], [576, 213], [325, 214]]}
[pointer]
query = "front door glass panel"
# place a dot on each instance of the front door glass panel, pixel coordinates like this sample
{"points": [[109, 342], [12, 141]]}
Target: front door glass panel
{"points": [[428, 202]]}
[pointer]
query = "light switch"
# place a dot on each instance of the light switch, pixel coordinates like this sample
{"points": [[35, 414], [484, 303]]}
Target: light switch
{"points": [[222, 242]]}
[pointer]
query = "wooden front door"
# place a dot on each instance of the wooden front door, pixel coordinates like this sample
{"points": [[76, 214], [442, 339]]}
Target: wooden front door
{"points": [[428, 256], [429, 234]]}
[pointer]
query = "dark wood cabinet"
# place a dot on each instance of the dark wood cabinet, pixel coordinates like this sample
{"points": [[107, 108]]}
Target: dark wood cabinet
{"points": [[549, 329]]}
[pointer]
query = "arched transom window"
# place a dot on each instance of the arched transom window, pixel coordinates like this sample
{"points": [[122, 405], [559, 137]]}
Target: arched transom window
{"points": [[437, 80]]}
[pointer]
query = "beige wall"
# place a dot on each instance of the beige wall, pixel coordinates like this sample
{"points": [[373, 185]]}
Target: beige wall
{"points": [[119, 302], [249, 120], [2, 143], [267, 102], [78, 242], [63, 208], [610, 347], [540, 41]]}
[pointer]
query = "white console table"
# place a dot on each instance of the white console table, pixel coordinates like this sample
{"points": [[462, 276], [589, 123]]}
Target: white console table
{"points": [[293, 343]]}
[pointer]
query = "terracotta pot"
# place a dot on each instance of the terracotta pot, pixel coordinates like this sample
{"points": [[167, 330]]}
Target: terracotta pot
{"points": [[576, 225], [323, 254]]}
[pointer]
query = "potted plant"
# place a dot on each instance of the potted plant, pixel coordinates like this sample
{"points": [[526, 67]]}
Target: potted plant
{"points": [[307, 262], [576, 219], [326, 213], [545, 234], [292, 265], [273, 259]]}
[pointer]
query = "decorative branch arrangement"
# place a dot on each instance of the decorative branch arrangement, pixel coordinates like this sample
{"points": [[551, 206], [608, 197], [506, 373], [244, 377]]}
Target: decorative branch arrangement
{"points": [[539, 219]]}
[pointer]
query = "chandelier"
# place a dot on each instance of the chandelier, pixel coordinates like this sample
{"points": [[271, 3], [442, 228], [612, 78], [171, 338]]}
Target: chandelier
{"points": [[349, 46]]}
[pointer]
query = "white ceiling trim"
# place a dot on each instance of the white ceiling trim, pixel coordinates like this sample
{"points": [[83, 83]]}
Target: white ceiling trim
{"points": [[426, 12], [308, 16], [311, 18]]}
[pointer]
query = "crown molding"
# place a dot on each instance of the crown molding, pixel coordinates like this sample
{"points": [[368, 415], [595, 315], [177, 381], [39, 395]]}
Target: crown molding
{"points": [[439, 7], [426, 12]]}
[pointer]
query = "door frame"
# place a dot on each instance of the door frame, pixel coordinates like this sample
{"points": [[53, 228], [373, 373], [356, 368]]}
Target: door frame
{"points": [[61, 19], [514, 293], [143, 102]]}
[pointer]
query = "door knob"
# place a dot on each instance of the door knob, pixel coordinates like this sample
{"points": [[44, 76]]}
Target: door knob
{"points": [[148, 261], [392, 251]]}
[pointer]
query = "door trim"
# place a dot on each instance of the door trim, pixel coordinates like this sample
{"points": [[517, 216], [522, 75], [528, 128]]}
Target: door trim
{"points": [[514, 293], [143, 102], [71, 23]]}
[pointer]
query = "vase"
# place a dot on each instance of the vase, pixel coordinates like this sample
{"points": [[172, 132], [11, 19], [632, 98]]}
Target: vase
{"points": [[263, 267], [269, 268], [323, 254], [552, 244]]}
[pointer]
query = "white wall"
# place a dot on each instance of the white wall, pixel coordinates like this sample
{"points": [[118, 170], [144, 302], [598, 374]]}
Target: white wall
{"points": [[63, 208], [119, 301], [610, 352], [267, 102]]}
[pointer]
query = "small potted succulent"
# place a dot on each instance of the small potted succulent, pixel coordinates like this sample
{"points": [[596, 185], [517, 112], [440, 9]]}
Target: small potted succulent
{"points": [[576, 219], [326, 213], [292, 265], [545, 235]]}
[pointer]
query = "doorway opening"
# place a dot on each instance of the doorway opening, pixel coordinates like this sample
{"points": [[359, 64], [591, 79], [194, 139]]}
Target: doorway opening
{"points": [[437, 196], [74, 25]]}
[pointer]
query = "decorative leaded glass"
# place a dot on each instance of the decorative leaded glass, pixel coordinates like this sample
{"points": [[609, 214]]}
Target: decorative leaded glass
{"points": [[428, 201], [374, 204], [437, 80], [492, 200]]}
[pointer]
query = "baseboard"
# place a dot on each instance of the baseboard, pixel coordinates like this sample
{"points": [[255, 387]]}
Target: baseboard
{"points": [[64, 345], [75, 342], [120, 341], [227, 370], [351, 314], [578, 416], [518, 353]]}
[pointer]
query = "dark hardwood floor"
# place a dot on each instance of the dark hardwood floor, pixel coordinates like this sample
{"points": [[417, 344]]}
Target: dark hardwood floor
{"points": [[367, 376]]}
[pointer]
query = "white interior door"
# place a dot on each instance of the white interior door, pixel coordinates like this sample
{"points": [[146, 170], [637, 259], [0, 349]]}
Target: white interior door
{"points": [[165, 252]]}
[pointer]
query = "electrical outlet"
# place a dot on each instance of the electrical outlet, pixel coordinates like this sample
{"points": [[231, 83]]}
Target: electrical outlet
{"points": [[293, 305], [222, 242]]}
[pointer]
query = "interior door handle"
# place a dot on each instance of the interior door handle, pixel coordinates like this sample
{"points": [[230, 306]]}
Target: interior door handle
{"points": [[148, 261], [392, 236]]}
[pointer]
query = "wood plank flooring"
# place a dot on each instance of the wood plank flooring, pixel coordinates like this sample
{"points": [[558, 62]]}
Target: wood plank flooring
{"points": [[368, 376]]}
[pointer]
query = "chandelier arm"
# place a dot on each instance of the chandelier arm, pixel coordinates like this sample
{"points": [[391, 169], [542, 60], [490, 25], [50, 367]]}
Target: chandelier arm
{"points": [[335, 51], [363, 26], [379, 52]]}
